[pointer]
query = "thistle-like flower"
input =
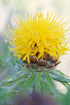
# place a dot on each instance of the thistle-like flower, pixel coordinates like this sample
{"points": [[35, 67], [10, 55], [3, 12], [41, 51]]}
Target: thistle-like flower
{"points": [[39, 38]]}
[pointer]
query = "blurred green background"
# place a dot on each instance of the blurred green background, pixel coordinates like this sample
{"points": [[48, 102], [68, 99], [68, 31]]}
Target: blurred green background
{"points": [[11, 8]]}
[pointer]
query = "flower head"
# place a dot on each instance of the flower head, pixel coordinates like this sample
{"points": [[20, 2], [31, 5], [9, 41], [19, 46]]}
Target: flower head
{"points": [[39, 35]]}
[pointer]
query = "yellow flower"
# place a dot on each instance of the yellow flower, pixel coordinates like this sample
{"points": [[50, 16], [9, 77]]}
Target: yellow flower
{"points": [[39, 34]]}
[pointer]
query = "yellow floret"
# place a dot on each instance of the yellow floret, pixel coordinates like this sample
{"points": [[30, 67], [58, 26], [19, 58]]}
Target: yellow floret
{"points": [[39, 34]]}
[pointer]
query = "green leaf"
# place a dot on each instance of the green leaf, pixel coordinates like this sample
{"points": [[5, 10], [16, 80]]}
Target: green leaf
{"points": [[41, 84], [15, 78], [49, 79], [45, 86], [50, 84], [28, 84], [10, 85], [59, 76], [38, 79]]}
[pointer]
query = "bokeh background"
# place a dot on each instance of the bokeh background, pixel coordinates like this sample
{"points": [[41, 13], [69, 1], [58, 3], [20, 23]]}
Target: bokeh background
{"points": [[11, 8]]}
